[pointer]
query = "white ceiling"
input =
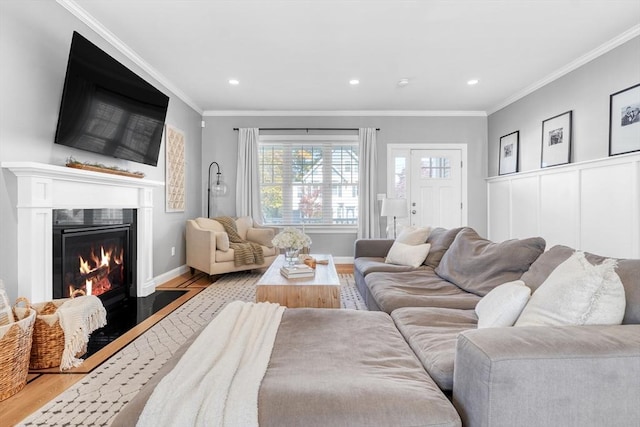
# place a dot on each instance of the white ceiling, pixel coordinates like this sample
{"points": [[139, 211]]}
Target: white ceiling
{"points": [[300, 55]]}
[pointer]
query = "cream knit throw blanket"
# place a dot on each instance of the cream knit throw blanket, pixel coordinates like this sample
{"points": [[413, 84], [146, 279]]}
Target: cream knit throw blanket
{"points": [[217, 380], [78, 318], [244, 252]]}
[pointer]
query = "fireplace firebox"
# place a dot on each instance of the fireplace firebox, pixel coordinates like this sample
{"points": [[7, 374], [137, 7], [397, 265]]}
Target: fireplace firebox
{"points": [[94, 254]]}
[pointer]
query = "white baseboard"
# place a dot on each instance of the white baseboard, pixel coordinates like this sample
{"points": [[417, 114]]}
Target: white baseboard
{"points": [[171, 274], [147, 289], [343, 260]]}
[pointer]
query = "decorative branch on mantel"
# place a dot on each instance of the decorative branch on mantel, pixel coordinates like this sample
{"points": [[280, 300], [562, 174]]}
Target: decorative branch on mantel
{"points": [[99, 167]]}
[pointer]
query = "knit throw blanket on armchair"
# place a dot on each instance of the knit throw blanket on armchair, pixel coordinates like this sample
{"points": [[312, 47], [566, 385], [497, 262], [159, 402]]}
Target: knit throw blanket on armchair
{"points": [[244, 252]]}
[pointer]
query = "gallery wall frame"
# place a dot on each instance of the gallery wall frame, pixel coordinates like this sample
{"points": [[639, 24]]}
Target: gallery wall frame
{"points": [[624, 121], [556, 140], [509, 160]]}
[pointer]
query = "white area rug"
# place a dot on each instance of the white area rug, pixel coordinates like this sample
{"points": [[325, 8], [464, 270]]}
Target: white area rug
{"points": [[97, 398]]}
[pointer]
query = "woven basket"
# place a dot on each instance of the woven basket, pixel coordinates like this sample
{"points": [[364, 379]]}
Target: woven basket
{"points": [[48, 336], [15, 350]]}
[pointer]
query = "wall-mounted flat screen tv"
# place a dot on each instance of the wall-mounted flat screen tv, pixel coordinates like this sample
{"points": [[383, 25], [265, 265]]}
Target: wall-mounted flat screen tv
{"points": [[108, 109]]}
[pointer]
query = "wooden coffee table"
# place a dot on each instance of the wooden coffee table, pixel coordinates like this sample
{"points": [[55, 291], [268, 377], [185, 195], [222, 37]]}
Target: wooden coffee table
{"points": [[321, 290]]}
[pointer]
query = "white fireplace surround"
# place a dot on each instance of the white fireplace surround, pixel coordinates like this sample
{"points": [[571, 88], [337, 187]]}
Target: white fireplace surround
{"points": [[43, 188]]}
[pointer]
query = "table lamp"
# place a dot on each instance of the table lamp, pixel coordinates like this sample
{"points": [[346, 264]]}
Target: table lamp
{"points": [[395, 207]]}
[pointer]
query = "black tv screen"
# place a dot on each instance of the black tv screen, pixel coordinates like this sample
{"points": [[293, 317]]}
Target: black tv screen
{"points": [[108, 109]]}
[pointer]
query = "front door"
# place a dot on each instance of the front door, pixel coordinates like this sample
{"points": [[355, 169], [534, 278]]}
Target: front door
{"points": [[436, 188]]}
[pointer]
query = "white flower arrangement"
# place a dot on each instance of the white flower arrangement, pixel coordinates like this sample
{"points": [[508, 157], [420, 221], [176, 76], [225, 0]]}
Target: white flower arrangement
{"points": [[291, 238]]}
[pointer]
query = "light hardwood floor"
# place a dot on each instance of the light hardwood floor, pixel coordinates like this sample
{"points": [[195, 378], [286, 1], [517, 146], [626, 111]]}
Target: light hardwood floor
{"points": [[44, 385]]}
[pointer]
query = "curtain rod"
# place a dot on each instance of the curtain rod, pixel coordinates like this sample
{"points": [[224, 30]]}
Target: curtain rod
{"points": [[308, 129]]}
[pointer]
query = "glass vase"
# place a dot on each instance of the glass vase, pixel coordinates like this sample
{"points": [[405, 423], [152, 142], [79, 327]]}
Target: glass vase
{"points": [[291, 256]]}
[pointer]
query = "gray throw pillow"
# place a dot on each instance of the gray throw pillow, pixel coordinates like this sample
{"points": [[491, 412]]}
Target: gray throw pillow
{"points": [[440, 239], [545, 264], [478, 265]]}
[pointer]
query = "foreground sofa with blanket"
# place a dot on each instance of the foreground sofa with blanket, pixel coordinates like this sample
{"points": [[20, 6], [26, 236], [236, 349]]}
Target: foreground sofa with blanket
{"points": [[504, 376], [327, 368]]}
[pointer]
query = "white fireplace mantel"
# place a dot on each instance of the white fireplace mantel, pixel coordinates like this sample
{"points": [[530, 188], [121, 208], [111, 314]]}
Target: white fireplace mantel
{"points": [[43, 188]]}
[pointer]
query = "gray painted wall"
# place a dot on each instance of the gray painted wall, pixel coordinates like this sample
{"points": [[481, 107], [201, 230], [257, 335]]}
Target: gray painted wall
{"points": [[219, 143], [34, 47], [586, 91]]}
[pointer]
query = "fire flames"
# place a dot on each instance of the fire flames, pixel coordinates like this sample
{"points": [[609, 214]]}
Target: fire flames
{"points": [[98, 271]]}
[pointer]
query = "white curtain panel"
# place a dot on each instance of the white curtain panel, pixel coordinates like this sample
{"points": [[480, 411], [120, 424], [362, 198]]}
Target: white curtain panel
{"points": [[367, 158], [248, 178]]}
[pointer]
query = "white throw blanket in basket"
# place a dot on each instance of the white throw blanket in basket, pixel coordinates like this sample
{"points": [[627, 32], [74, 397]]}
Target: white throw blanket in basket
{"points": [[217, 380], [78, 318]]}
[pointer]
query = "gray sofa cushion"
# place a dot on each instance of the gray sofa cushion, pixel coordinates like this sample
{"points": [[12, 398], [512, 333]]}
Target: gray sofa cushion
{"points": [[478, 265], [432, 333], [440, 239], [417, 288], [627, 269], [371, 247], [366, 265], [346, 369]]}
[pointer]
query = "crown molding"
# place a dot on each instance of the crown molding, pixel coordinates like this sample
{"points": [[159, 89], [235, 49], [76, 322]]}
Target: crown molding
{"points": [[344, 113], [103, 32], [590, 56]]}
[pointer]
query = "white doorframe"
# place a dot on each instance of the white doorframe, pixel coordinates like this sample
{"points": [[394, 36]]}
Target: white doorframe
{"points": [[393, 150]]}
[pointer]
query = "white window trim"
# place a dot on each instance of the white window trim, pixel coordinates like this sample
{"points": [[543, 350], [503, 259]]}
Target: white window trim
{"points": [[350, 139]]}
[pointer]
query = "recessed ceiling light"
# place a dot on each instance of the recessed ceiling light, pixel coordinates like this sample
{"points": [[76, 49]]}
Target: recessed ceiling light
{"points": [[403, 82], [234, 82], [473, 82], [354, 82]]}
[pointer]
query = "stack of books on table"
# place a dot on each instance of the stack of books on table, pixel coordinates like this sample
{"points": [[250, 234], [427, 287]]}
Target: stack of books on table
{"points": [[297, 271]]}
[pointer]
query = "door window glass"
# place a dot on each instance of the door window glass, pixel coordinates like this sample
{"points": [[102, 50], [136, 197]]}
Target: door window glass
{"points": [[435, 168], [400, 177]]}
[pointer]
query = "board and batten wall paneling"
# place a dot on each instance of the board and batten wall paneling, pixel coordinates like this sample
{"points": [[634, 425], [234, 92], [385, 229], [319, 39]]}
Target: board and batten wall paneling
{"points": [[593, 206], [499, 215], [524, 212], [604, 199], [559, 214]]}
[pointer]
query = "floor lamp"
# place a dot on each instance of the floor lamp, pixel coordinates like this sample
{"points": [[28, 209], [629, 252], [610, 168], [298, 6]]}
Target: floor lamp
{"points": [[219, 189], [397, 208]]}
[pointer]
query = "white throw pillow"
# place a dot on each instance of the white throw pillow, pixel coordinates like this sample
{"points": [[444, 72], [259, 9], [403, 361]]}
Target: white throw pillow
{"points": [[502, 305], [413, 235], [411, 255], [577, 293]]}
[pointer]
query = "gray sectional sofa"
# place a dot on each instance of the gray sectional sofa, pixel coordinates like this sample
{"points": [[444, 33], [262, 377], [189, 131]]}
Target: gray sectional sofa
{"points": [[525, 376]]}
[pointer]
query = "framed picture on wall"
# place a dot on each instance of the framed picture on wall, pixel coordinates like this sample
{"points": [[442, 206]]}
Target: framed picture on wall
{"points": [[556, 140], [624, 121], [508, 160]]}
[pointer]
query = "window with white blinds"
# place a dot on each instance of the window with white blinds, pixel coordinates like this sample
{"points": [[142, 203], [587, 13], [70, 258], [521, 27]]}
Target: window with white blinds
{"points": [[309, 179]]}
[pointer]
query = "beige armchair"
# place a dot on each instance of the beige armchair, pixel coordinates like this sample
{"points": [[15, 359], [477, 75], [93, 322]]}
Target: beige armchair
{"points": [[208, 245]]}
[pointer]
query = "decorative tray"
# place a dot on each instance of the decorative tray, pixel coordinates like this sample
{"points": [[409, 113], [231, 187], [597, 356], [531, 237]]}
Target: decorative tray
{"points": [[105, 170]]}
